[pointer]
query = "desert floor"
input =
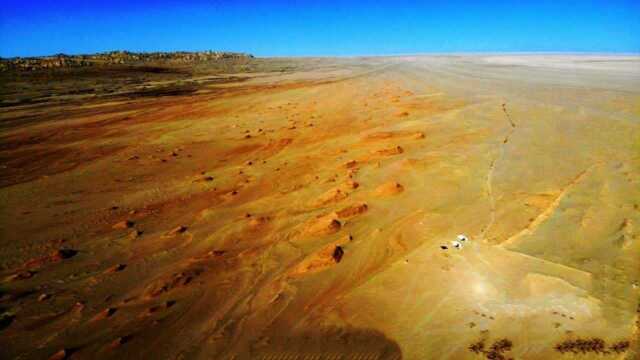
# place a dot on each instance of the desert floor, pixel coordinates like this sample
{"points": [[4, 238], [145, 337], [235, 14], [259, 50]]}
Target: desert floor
{"points": [[266, 214]]}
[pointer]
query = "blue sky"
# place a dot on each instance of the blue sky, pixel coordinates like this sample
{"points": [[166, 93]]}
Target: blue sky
{"points": [[310, 28]]}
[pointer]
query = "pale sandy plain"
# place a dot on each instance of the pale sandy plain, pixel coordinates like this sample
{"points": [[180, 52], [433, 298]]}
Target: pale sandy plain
{"points": [[204, 226]]}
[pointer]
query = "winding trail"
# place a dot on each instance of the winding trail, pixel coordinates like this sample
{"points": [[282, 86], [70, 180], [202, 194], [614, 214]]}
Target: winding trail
{"points": [[489, 182]]}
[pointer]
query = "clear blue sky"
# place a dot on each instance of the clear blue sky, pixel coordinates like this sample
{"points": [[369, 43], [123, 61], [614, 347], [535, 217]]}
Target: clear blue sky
{"points": [[280, 28]]}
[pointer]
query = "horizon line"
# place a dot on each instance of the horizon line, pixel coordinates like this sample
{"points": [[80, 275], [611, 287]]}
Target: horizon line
{"points": [[426, 53]]}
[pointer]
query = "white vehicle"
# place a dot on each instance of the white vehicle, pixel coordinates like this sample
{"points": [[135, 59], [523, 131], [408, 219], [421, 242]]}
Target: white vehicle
{"points": [[456, 244], [462, 238]]}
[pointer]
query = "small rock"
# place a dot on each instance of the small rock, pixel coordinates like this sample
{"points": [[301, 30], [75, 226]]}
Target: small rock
{"points": [[418, 135], [259, 221], [63, 254], [178, 230], [116, 268], [353, 210], [5, 320], [124, 224], [79, 306], [108, 312], [121, 341], [351, 164], [390, 188], [391, 151], [338, 252], [62, 354], [23, 275], [324, 226], [152, 310], [352, 184]]}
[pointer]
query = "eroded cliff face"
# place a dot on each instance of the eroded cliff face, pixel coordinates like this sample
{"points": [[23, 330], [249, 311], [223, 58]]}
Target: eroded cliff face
{"points": [[311, 212]]}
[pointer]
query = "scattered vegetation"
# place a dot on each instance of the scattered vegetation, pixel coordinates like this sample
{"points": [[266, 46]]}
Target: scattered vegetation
{"points": [[591, 346], [495, 352]]}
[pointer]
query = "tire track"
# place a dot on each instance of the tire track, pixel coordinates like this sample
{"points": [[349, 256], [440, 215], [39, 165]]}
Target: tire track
{"points": [[492, 166], [544, 215], [506, 113]]}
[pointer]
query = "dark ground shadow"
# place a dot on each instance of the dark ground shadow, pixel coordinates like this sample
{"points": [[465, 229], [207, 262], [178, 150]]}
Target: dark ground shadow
{"points": [[329, 344]]}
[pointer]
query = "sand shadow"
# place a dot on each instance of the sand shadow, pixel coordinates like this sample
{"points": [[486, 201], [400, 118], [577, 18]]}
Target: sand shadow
{"points": [[332, 343]]}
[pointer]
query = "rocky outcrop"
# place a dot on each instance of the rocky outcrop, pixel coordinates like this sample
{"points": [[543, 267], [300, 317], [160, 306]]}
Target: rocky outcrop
{"points": [[116, 58]]}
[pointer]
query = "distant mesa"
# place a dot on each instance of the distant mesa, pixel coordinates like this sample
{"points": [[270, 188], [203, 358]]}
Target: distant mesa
{"points": [[116, 58]]}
